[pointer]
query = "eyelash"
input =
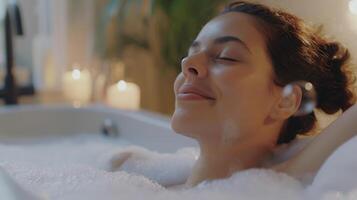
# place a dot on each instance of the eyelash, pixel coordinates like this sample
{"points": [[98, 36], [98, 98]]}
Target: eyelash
{"points": [[218, 57], [225, 58]]}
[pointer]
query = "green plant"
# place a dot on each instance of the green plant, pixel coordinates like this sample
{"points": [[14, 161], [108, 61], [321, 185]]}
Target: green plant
{"points": [[111, 18], [185, 19]]}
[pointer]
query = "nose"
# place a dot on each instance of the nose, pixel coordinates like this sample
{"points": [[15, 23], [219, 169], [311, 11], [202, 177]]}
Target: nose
{"points": [[194, 66]]}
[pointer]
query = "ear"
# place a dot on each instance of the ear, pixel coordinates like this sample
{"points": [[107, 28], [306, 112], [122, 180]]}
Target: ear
{"points": [[288, 102]]}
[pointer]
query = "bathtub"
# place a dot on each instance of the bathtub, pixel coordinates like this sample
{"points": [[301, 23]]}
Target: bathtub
{"points": [[23, 125], [31, 124], [142, 128]]}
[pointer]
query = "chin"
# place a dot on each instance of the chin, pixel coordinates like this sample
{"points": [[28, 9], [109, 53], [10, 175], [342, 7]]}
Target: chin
{"points": [[181, 125], [191, 125]]}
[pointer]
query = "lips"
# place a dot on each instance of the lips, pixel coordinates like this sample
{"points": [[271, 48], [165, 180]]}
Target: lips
{"points": [[191, 92]]}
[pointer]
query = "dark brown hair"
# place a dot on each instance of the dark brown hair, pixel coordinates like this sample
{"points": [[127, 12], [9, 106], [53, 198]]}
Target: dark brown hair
{"points": [[299, 53]]}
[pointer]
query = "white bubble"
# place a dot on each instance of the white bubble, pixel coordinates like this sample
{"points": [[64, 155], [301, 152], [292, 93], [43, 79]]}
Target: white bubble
{"points": [[71, 169]]}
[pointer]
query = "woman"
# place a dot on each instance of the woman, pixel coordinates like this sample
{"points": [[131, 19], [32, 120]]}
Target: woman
{"points": [[229, 95]]}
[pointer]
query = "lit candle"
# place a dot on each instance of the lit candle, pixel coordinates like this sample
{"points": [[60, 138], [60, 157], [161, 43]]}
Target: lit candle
{"points": [[124, 95], [77, 86]]}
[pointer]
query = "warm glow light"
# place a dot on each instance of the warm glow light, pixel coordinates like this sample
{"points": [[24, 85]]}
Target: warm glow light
{"points": [[353, 6], [76, 74], [121, 85], [124, 95], [77, 86]]}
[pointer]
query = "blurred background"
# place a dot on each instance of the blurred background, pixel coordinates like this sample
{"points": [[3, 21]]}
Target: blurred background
{"points": [[125, 53]]}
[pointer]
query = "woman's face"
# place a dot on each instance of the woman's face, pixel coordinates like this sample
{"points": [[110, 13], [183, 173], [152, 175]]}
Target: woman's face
{"points": [[225, 89]]}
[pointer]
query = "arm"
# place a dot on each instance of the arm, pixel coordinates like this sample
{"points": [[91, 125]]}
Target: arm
{"points": [[320, 148]]}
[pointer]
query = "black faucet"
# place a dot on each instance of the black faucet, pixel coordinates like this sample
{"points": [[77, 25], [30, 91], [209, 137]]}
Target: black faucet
{"points": [[12, 23]]}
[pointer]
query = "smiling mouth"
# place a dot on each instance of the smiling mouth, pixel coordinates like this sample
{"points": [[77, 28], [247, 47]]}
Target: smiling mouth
{"points": [[190, 92], [191, 96]]}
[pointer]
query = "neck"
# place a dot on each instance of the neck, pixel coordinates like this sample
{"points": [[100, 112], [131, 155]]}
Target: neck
{"points": [[218, 161]]}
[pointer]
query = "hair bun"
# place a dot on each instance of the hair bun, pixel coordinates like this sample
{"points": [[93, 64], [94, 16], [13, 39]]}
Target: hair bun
{"points": [[333, 87]]}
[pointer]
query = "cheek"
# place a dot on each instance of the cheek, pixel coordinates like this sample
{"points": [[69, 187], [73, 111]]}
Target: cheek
{"points": [[245, 94], [235, 83]]}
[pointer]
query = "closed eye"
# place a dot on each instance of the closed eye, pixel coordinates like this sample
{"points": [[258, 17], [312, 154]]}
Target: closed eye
{"points": [[227, 59]]}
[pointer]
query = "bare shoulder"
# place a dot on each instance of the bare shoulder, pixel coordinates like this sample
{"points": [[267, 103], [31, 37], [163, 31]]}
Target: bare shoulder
{"points": [[313, 155]]}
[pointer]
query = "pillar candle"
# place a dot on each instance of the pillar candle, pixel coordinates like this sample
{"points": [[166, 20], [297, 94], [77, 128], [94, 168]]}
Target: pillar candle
{"points": [[77, 86], [124, 95]]}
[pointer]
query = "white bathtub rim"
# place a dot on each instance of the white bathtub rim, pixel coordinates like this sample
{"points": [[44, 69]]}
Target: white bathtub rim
{"points": [[140, 115]]}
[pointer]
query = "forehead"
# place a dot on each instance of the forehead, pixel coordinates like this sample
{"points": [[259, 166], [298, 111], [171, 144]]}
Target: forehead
{"points": [[235, 24], [244, 27]]}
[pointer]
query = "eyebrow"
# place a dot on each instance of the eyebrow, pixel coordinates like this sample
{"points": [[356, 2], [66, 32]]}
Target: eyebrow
{"points": [[222, 40]]}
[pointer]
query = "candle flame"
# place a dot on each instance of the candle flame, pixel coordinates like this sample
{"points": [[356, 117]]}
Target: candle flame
{"points": [[121, 85], [76, 74]]}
